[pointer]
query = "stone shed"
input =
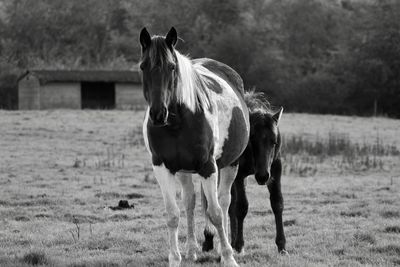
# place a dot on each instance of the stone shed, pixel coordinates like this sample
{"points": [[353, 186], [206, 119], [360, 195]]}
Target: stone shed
{"points": [[80, 89]]}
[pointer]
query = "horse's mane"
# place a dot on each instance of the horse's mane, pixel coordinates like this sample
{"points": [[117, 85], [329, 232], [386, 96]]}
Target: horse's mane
{"points": [[257, 102], [190, 88]]}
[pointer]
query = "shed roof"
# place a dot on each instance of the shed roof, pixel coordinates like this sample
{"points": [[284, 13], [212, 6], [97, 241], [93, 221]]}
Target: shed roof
{"points": [[46, 76]]}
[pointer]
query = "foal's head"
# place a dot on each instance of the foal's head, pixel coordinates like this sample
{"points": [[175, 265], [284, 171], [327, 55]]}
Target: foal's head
{"points": [[265, 139], [158, 65]]}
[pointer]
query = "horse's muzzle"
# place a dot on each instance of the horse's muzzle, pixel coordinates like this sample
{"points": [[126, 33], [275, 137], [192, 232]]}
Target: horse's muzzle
{"points": [[158, 116]]}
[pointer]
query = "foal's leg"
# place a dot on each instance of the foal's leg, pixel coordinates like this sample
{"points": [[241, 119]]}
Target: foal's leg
{"points": [[277, 204], [232, 215], [189, 200], [242, 206], [166, 180], [215, 213]]}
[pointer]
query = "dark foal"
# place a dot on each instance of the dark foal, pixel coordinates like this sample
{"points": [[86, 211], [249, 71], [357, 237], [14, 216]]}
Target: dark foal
{"points": [[261, 158]]}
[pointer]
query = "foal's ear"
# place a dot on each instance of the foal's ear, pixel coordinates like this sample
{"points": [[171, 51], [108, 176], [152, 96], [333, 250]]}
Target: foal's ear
{"points": [[277, 116], [171, 38], [145, 39]]}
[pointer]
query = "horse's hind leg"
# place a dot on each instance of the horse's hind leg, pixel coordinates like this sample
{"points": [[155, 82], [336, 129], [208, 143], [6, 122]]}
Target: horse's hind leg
{"points": [[277, 204], [167, 183], [215, 213], [208, 243], [189, 200], [242, 207], [227, 177]]}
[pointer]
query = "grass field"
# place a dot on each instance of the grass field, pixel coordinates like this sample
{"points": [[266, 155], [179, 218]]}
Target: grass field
{"points": [[61, 171]]}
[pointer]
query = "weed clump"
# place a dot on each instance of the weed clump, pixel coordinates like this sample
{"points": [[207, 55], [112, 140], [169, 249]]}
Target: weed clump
{"points": [[388, 250], [35, 258], [390, 214], [392, 229], [365, 238]]}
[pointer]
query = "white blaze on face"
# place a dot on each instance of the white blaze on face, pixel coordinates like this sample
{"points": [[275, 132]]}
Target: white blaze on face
{"points": [[145, 137]]}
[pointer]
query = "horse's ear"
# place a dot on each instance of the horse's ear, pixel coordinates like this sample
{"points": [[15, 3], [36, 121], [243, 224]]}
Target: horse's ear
{"points": [[171, 38], [145, 39], [277, 116]]}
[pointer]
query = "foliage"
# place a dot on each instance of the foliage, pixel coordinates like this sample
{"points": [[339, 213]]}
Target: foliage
{"points": [[307, 55]]}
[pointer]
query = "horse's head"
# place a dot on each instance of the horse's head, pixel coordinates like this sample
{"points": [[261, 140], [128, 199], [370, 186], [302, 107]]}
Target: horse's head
{"points": [[159, 78], [265, 143]]}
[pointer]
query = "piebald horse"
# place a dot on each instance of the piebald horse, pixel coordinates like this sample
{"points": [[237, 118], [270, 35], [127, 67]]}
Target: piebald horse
{"points": [[196, 122]]}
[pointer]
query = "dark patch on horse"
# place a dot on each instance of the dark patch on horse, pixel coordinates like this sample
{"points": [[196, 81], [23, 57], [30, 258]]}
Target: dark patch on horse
{"points": [[178, 147], [215, 86], [233, 145], [229, 75], [207, 169], [223, 71]]}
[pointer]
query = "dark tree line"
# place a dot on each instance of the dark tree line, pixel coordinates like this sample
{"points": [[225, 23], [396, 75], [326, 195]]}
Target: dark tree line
{"points": [[308, 55]]}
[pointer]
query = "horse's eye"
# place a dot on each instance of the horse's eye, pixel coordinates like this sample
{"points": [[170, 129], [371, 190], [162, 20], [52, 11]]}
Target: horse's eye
{"points": [[172, 66]]}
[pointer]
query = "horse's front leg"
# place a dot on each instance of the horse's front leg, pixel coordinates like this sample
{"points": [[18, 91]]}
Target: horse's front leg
{"points": [[189, 200], [167, 183], [276, 200], [216, 215]]}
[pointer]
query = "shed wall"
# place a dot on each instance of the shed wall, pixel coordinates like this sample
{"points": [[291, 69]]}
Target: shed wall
{"points": [[29, 93], [60, 95], [129, 96]]}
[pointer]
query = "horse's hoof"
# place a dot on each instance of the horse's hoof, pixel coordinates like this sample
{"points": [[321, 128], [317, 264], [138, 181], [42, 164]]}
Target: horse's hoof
{"points": [[240, 253], [283, 252], [207, 246], [174, 263], [230, 262], [208, 243], [174, 260], [191, 256], [238, 249], [191, 250]]}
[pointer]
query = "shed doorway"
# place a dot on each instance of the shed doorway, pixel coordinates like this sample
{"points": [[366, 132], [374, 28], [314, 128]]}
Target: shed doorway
{"points": [[98, 95]]}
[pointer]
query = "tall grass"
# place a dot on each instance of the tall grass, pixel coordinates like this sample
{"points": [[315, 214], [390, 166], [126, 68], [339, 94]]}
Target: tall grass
{"points": [[305, 155]]}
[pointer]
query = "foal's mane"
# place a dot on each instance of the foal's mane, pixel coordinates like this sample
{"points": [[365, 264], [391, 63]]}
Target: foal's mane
{"points": [[257, 102], [191, 87]]}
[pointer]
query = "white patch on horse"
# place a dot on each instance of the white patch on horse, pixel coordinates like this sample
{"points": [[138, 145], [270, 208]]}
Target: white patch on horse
{"points": [[145, 137], [223, 104]]}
